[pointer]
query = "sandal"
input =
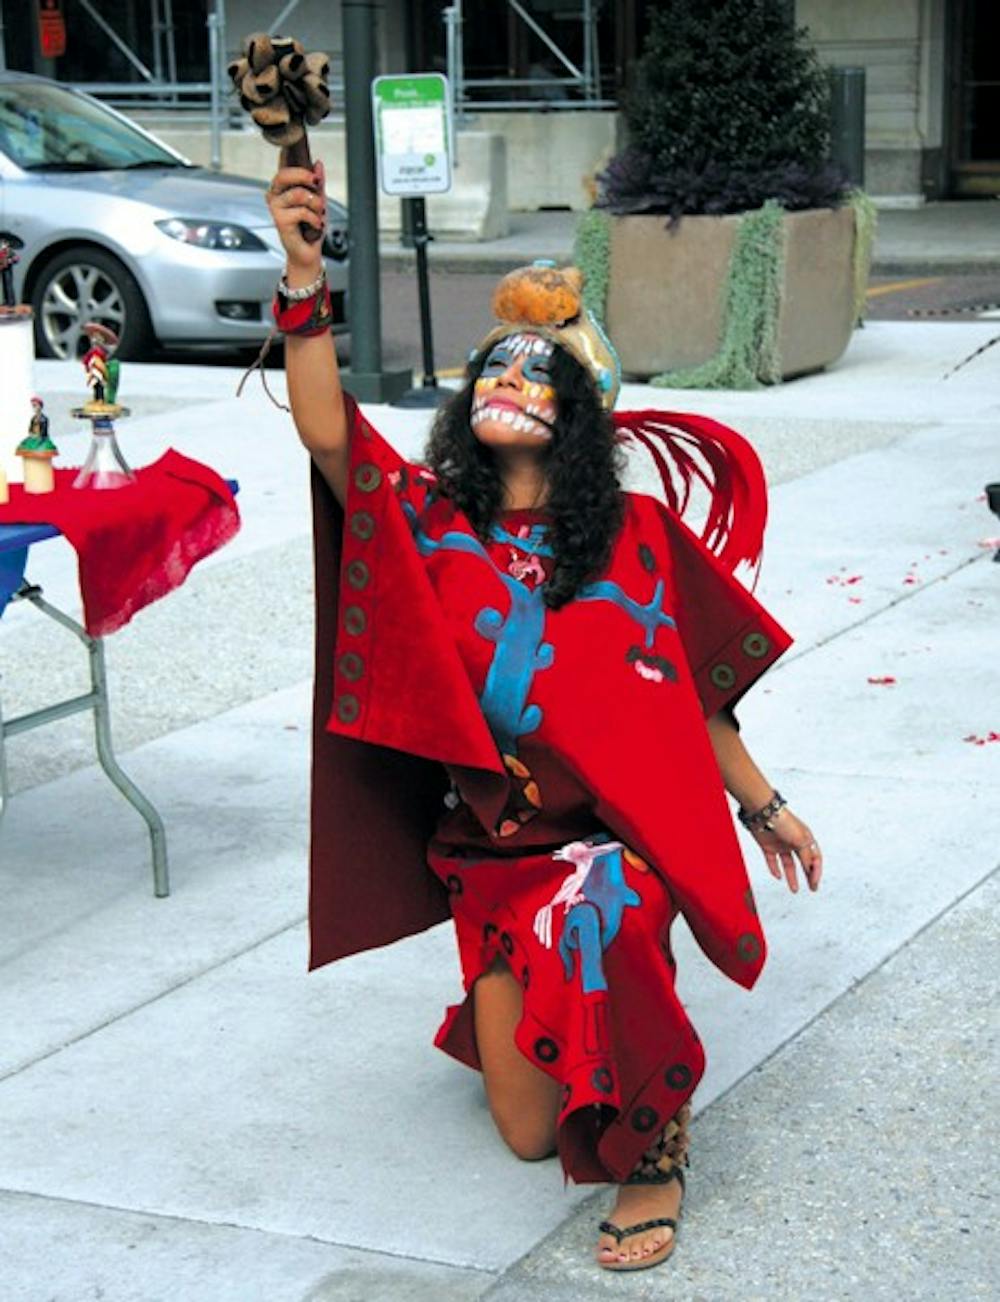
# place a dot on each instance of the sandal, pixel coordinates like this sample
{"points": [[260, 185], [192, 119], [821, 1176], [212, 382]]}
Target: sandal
{"points": [[660, 1164]]}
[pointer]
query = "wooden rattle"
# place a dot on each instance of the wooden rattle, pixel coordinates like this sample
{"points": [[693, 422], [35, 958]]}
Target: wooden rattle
{"points": [[283, 89]]}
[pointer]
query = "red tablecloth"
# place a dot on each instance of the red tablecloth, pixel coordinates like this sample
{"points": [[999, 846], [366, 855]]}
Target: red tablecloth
{"points": [[138, 543]]}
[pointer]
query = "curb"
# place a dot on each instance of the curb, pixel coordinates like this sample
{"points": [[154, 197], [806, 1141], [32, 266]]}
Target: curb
{"points": [[497, 262]]}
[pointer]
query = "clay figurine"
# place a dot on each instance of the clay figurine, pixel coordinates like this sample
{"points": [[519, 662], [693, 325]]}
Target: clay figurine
{"points": [[37, 451], [103, 370]]}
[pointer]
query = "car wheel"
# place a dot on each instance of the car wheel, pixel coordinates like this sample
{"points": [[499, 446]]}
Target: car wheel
{"points": [[83, 285]]}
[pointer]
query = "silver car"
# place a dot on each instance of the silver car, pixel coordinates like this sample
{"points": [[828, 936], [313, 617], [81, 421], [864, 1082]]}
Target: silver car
{"points": [[111, 225]]}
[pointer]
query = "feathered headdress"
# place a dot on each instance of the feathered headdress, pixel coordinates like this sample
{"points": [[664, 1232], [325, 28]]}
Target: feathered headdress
{"points": [[688, 450]]}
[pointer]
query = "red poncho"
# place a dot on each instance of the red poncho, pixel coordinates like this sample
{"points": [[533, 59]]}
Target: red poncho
{"points": [[586, 805]]}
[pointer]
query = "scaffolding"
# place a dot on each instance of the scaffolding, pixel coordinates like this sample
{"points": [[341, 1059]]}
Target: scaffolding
{"points": [[158, 88], [579, 87]]}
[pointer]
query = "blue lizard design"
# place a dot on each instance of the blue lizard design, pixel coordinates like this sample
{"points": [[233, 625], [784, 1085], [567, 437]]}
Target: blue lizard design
{"points": [[594, 921], [521, 650]]}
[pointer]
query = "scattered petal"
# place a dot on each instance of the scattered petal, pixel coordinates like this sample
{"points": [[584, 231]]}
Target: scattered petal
{"points": [[854, 601], [989, 542], [886, 681], [845, 582]]}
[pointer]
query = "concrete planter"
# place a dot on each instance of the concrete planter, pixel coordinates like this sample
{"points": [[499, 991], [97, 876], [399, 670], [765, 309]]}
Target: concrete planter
{"points": [[665, 307]]}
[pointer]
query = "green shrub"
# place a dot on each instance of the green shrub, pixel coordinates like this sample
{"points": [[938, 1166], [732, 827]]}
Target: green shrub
{"points": [[730, 109]]}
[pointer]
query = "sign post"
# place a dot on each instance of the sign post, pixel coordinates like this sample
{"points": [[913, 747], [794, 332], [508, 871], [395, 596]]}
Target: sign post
{"points": [[413, 141]]}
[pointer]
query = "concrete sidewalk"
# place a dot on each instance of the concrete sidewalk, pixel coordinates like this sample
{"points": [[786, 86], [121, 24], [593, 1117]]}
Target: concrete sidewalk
{"points": [[186, 1115], [949, 238]]}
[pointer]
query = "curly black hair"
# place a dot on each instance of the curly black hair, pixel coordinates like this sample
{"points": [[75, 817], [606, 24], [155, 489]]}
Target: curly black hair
{"points": [[583, 464]]}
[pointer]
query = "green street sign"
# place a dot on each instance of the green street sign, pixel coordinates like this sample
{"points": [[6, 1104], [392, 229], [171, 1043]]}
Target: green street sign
{"points": [[412, 117]]}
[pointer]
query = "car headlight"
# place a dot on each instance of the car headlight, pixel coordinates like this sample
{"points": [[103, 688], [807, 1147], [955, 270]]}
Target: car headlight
{"points": [[210, 235]]}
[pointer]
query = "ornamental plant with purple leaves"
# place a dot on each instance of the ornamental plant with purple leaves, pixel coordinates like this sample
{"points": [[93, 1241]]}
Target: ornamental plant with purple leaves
{"points": [[730, 108]]}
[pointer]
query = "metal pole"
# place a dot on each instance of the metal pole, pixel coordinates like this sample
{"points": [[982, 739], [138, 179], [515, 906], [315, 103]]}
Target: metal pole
{"points": [[214, 62], [456, 67], [278, 21], [157, 26], [168, 32], [420, 242], [116, 40], [366, 380], [847, 122], [428, 394]]}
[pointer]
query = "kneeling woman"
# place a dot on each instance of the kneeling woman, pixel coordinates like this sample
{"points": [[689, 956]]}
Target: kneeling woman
{"points": [[541, 667]]}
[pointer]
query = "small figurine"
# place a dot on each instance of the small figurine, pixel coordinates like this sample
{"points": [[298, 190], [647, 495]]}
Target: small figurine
{"points": [[105, 466], [38, 426], [103, 370], [37, 451], [8, 261]]}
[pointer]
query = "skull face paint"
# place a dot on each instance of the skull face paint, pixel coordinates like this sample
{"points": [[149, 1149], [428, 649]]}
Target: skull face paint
{"points": [[513, 396]]}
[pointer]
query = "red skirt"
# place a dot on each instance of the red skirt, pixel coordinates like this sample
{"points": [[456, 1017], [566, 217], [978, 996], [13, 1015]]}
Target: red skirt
{"points": [[585, 928]]}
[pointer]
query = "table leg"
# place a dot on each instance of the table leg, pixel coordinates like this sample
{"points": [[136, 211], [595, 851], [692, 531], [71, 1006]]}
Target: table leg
{"points": [[97, 701], [4, 785], [110, 765]]}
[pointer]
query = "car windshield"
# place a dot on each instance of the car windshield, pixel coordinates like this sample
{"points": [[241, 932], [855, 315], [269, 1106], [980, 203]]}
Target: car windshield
{"points": [[45, 128]]}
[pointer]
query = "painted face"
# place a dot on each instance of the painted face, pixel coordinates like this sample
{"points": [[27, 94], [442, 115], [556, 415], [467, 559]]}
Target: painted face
{"points": [[513, 400]]}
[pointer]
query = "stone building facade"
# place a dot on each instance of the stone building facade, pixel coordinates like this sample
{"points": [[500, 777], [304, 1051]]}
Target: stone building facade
{"points": [[932, 69]]}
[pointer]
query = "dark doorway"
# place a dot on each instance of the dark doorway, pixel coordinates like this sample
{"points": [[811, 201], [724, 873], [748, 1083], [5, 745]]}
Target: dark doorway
{"points": [[974, 135]]}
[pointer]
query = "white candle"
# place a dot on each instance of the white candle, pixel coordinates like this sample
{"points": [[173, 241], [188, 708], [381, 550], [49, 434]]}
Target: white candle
{"points": [[17, 356]]}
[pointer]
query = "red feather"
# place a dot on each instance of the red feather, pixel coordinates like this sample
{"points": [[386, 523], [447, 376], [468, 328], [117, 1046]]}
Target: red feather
{"points": [[690, 449]]}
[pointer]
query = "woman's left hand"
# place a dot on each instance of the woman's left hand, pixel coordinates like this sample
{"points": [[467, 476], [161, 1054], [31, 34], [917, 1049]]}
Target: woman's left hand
{"points": [[791, 840]]}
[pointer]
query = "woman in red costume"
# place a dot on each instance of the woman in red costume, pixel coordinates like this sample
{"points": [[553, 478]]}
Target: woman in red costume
{"points": [[524, 683]]}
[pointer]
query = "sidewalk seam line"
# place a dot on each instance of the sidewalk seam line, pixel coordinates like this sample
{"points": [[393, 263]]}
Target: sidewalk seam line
{"points": [[494, 1272], [855, 985], [154, 999]]}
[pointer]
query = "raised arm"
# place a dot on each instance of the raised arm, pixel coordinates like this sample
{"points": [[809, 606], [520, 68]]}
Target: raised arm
{"points": [[299, 195], [787, 836]]}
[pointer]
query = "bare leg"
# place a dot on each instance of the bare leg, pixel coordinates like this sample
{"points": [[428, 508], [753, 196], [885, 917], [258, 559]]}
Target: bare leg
{"points": [[524, 1102]]}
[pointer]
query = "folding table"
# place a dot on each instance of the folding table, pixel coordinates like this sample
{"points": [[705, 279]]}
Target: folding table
{"points": [[15, 541]]}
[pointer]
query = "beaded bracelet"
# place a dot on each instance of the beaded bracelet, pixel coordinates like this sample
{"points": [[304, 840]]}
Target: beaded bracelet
{"points": [[307, 291], [760, 821]]}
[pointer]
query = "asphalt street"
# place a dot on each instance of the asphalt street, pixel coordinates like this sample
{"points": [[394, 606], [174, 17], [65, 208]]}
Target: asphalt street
{"points": [[460, 307]]}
